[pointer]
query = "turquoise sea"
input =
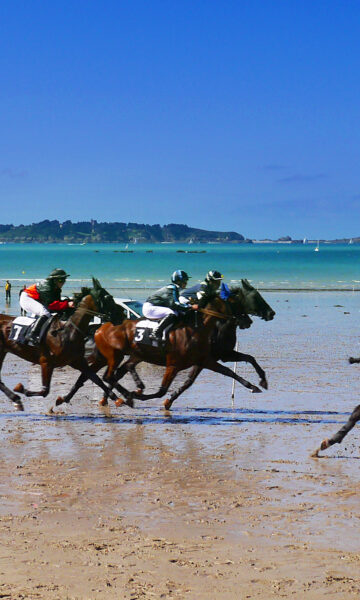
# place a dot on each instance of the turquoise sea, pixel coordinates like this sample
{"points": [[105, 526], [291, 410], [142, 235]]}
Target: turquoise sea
{"points": [[136, 268]]}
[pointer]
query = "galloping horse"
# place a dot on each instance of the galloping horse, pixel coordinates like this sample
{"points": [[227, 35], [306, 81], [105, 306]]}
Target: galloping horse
{"points": [[63, 343], [187, 345], [224, 337]]}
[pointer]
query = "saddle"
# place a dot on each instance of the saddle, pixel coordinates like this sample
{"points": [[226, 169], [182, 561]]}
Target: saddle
{"points": [[22, 328], [143, 330]]}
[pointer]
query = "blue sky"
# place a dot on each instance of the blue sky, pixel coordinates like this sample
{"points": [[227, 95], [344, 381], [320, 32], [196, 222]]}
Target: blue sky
{"points": [[230, 115]]}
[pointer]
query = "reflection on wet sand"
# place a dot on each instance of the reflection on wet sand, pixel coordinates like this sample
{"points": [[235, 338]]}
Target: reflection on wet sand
{"points": [[212, 500]]}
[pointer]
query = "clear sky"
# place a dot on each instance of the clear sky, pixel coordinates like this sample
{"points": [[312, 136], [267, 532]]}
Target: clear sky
{"points": [[230, 115]]}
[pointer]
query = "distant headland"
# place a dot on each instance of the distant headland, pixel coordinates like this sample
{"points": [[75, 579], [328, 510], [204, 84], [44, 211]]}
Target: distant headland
{"points": [[94, 232], [89, 232]]}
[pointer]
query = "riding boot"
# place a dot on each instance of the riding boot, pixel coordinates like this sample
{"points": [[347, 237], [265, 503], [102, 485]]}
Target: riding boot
{"points": [[33, 336], [165, 322]]}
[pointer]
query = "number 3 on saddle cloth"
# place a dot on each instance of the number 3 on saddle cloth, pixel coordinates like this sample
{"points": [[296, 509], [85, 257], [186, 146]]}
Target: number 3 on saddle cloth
{"points": [[143, 330], [22, 327]]}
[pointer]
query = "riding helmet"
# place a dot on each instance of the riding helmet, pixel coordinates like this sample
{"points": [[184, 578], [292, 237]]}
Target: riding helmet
{"points": [[213, 276], [58, 274], [178, 276]]}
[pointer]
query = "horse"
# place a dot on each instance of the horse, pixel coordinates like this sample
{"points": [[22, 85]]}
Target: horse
{"points": [[338, 437], [63, 343], [187, 345], [224, 339]]}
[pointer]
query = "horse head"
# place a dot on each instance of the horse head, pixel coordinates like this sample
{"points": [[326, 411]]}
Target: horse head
{"points": [[254, 303], [230, 305], [98, 299], [105, 304]]}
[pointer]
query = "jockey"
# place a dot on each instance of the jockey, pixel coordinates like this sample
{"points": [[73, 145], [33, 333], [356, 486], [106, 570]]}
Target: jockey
{"points": [[166, 303], [41, 299], [210, 285]]}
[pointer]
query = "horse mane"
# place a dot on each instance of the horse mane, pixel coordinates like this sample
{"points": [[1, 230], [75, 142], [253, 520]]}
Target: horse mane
{"points": [[206, 298], [236, 290], [78, 296]]}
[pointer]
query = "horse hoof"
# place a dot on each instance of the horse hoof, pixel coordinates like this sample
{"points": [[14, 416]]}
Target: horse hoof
{"points": [[351, 360], [19, 388], [167, 404], [130, 402], [103, 402], [18, 405], [324, 444], [255, 390], [59, 400], [119, 402], [264, 384]]}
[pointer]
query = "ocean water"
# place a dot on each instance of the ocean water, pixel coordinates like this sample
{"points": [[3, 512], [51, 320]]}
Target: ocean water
{"points": [[137, 268]]}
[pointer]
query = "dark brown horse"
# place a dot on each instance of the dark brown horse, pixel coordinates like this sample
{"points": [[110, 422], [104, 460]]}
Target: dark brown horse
{"points": [[187, 345], [63, 343]]}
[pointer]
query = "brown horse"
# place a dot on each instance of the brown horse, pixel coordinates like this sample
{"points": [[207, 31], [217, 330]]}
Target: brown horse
{"points": [[187, 346], [63, 343]]}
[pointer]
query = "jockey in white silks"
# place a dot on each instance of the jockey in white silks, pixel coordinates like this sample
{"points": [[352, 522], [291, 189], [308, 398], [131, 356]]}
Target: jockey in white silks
{"points": [[166, 304]]}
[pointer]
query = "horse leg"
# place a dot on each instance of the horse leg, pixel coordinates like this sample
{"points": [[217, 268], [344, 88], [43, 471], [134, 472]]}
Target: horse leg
{"points": [[78, 384], [47, 369], [90, 374], [195, 371], [169, 376], [338, 437], [15, 399], [235, 356], [212, 365], [128, 367], [95, 364]]}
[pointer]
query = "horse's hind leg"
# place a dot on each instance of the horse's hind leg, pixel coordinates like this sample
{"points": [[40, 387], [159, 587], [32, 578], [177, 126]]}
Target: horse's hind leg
{"points": [[169, 376], [46, 374], [15, 399], [195, 371], [338, 437]]}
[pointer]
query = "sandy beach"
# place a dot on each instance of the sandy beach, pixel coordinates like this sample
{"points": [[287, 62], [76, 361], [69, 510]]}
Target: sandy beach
{"points": [[215, 500]]}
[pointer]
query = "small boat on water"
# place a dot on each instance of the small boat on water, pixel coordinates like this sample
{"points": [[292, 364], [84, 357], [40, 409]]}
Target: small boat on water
{"points": [[317, 247]]}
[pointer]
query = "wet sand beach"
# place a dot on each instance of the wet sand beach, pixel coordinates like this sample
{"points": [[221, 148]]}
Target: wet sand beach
{"points": [[218, 499]]}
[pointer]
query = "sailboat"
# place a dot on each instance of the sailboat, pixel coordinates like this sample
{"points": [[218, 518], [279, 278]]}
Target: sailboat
{"points": [[304, 241], [317, 247], [351, 241]]}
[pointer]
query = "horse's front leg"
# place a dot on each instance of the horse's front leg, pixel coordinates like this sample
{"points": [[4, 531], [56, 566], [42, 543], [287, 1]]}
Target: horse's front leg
{"points": [[338, 437], [47, 369], [95, 363], [78, 384], [235, 356], [127, 367], [212, 365], [88, 373]]}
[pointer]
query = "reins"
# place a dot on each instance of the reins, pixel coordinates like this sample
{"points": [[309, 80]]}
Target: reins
{"points": [[213, 313]]}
